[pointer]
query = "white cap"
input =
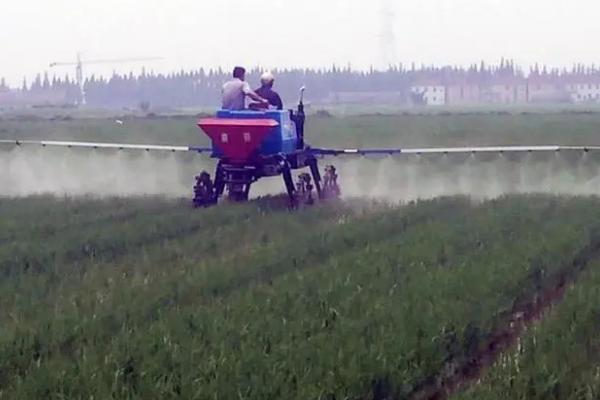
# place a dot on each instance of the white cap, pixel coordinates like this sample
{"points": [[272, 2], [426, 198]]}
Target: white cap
{"points": [[267, 77]]}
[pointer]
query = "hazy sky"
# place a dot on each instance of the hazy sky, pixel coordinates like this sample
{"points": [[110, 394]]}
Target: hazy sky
{"points": [[272, 33]]}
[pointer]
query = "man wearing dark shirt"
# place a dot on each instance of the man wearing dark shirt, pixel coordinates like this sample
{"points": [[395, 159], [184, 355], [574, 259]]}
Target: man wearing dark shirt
{"points": [[266, 91]]}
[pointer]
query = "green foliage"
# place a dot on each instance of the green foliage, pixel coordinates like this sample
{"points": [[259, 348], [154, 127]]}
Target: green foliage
{"points": [[558, 359], [149, 299], [405, 130]]}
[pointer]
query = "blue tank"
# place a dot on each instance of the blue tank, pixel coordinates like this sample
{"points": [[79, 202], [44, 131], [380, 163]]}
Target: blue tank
{"points": [[282, 138]]}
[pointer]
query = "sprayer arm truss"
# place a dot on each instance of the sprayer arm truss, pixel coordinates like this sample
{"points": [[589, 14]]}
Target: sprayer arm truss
{"points": [[451, 150], [314, 151], [96, 145]]}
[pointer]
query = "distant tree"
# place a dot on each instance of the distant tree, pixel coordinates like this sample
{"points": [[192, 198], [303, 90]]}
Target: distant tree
{"points": [[144, 106], [3, 85], [24, 85], [418, 98], [36, 86], [203, 87], [46, 82]]}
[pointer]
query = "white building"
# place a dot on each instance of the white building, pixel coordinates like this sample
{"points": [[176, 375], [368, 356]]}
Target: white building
{"points": [[433, 95], [588, 92]]}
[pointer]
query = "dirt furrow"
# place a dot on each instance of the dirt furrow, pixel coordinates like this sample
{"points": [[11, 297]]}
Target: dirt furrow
{"points": [[530, 309]]}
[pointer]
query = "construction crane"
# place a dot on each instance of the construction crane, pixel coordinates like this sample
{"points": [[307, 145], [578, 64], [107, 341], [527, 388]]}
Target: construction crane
{"points": [[79, 69]]}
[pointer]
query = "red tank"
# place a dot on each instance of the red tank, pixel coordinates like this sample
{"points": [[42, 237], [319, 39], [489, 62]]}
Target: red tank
{"points": [[237, 139]]}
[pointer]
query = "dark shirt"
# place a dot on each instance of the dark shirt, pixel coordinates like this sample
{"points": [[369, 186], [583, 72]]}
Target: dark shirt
{"points": [[271, 96]]}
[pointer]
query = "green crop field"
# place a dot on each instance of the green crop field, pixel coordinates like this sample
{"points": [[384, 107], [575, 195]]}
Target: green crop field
{"points": [[142, 297], [467, 128], [149, 299]]}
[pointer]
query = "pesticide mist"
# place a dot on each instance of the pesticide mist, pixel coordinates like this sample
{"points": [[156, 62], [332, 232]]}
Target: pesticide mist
{"points": [[482, 176], [105, 173]]}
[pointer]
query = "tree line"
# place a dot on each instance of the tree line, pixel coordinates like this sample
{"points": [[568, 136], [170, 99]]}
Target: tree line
{"points": [[202, 87]]}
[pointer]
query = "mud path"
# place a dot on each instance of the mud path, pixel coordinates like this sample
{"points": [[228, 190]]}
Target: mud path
{"points": [[528, 309]]}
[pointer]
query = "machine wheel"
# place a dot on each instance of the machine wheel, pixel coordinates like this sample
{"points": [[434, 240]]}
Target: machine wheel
{"points": [[204, 193], [238, 192], [304, 189], [331, 189]]}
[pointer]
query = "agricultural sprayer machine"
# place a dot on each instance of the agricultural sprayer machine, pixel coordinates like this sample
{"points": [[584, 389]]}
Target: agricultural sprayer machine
{"points": [[251, 145]]}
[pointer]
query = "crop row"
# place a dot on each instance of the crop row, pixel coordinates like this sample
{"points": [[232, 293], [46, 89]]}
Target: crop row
{"points": [[42, 217], [118, 233], [33, 305], [361, 317], [354, 307], [228, 249], [558, 358], [67, 261]]}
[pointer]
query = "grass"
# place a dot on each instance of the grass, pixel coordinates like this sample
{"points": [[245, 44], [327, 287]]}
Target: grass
{"points": [[558, 359], [409, 130], [339, 301]]}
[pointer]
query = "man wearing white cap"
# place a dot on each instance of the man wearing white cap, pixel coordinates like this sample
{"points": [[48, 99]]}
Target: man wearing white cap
{"points": [[266, 91]]}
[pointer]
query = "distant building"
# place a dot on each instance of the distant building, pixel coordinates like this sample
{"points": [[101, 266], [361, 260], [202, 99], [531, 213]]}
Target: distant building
{"points": [[432, 94], [508, 90], [463, 93], [492, 90], [547, 89], [584, 89]]}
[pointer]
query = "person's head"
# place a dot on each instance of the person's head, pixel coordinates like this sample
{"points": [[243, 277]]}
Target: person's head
{"points": [[267, 79], [239, 72]]}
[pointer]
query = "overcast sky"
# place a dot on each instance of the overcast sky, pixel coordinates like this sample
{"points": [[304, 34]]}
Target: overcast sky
{"points": [[279, 33]]}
